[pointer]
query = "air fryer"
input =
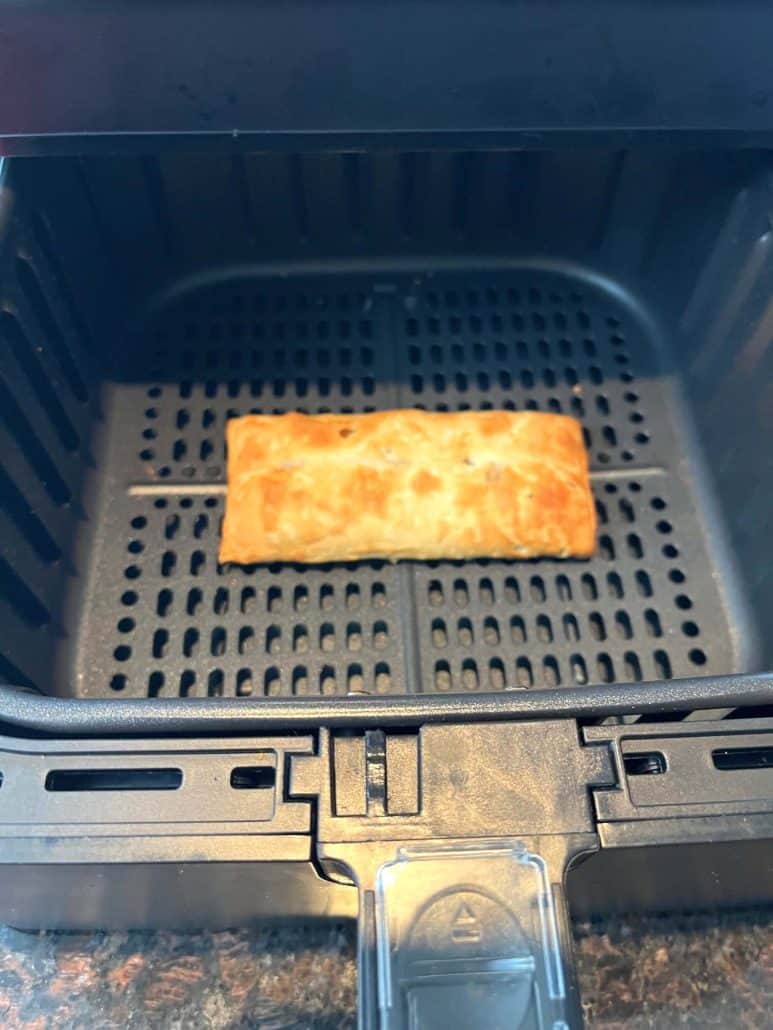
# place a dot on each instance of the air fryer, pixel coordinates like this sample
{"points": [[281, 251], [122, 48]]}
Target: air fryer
{"points": [[270, 208]]}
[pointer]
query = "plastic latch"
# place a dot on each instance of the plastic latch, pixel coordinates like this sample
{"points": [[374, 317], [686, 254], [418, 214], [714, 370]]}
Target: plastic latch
{"points": [[467, 937]]}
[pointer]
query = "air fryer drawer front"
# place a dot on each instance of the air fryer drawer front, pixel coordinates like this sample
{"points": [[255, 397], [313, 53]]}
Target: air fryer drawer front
{"points": [[457, 837]]}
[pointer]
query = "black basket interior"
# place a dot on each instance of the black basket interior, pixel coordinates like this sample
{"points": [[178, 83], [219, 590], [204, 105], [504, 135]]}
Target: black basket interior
{"points": [[147, 300]]}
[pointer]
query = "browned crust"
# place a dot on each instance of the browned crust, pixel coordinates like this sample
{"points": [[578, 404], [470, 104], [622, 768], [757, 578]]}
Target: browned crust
{"points": [[406, 484]]}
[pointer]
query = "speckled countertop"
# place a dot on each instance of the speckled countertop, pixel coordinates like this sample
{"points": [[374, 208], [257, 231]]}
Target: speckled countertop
{"points": [[635, 972]]}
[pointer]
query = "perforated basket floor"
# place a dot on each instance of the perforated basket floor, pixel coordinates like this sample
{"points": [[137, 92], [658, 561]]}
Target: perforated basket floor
{"points": [[161, 618]]}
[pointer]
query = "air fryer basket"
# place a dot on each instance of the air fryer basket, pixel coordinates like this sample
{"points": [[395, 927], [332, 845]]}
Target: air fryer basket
{"points": [[147, 300]]}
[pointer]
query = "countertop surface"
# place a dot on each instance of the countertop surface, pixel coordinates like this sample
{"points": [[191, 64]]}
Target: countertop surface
{"points": [[697, 971]]}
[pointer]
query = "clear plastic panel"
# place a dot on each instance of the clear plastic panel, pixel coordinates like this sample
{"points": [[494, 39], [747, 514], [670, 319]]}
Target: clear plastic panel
{"points": [[467, 936]]}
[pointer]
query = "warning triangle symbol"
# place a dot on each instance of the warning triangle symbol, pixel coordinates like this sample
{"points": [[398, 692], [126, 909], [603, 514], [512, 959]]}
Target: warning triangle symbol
{"points": [[464, 916], [465, 928]]}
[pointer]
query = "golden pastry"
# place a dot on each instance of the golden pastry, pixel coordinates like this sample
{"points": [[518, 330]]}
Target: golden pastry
{"points": [[406, 484]]}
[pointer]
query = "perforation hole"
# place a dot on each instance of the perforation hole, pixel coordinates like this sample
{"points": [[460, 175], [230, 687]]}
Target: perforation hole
{"points": [[221, 601], [609, 436], [635, 546], [354, 636], [614, 585], [571, 628], [327, 638], [382, 678], [643, 583], [272, 682], [218, 640], [652, 622], [187, 683], [244, 684], [300, 680], [190, 642], [605, 668], [563, 588], [442, 676], [550, 672], [470, 678], [606, 547], [524, 674], [327, 680], [632, 667], [597, 628], [623, 626], [380, 637], [461, 594], [544, 629], [579, 669], [517, 630], [588, 585], [464, 633], [246, 640], [491, 631], [273, 640], [355, 680], [512, 590], [155, 683], [439, 633], [662, 665], [160, 643], [300, 640], [496, 674]]}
